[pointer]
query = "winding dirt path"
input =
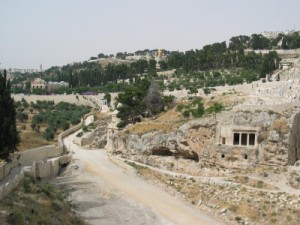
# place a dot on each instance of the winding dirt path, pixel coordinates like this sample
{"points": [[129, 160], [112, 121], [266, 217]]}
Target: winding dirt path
{"points": [[108, 194]]}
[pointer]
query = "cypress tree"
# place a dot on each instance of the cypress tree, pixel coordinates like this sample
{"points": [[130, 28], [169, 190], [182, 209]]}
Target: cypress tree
{"points": [[9, 138]]}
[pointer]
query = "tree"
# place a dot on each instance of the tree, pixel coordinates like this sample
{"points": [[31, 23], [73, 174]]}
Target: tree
{"points": [[270, 63], [107, 97], [101, 55], [259, 42], [168, 101], [21, 116], [49, 133], [132, 102], [9, 138], [153, 99], [192, 90]]}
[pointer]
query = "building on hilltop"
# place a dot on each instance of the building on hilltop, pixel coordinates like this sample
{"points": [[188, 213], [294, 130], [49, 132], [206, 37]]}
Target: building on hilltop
{"points": [[16, 70], [38, 83], [138, 57], [275, 34], [52, 85], [159, 56]]}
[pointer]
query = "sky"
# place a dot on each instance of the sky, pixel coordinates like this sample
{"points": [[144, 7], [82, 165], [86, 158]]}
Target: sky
{"points": [[58, 32]]}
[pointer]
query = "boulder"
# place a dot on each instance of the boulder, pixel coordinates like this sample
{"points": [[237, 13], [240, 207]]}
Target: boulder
{"points": [[273, 136]]}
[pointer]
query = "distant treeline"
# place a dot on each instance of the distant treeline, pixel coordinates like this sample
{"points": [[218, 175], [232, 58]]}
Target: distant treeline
{"points": [[214, 57]]}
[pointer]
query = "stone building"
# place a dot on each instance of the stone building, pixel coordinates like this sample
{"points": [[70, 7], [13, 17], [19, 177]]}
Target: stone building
{"points": [[38, 83], [52, 85]]}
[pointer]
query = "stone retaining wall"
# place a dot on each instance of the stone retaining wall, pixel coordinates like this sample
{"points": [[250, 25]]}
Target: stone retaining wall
{"points": [[11, 185], [40, 162]]}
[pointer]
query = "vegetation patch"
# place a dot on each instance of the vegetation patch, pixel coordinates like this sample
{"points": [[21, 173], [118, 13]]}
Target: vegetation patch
{"points": [[40, 123], [253, 182], [37, 203], [55, 117], [196, 108]]}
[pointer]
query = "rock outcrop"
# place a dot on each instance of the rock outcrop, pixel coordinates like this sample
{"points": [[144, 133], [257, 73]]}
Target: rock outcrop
{"points": [[186, 142], [202, 141]]}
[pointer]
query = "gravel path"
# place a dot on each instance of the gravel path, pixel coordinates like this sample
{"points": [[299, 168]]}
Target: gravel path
{"points": [[108, 194]]}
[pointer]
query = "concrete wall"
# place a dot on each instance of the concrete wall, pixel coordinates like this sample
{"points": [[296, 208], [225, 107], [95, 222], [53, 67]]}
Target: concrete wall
{"points": [[13, 183], [40, 162], [279, 51], [4, 170], [70, 131], [39, 169], [56, 98], [26, 158]]}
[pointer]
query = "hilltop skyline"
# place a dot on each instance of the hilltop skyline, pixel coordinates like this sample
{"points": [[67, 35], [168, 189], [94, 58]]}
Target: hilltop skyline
{"points": [[54, 33]]}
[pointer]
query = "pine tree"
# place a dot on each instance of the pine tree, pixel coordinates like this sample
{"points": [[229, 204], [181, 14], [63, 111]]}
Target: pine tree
{"points": [[9, 138]]}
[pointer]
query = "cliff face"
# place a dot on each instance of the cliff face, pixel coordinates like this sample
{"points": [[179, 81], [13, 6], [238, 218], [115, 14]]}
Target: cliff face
{"points": [[188, 141], [201, 141], [272, 136]]}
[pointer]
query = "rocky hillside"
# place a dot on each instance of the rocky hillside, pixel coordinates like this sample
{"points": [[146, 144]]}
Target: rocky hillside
{"points": [[235, 138]]}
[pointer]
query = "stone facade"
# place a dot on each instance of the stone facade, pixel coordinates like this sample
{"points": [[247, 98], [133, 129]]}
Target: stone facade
{"points": [[38, 83], [240, 140]]}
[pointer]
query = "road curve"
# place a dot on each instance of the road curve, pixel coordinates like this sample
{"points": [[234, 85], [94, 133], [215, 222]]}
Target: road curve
{"points": [[166, 209]]}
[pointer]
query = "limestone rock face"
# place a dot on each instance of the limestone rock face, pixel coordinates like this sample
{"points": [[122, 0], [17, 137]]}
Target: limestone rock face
{"points": [[294, 141], [263, 119], [202, 141], [273, 136], [189, 141]]}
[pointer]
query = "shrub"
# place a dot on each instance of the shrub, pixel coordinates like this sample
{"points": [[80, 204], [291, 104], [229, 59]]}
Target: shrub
{"points": [[216, 108], [16, 218], [206, 91], [49, 134], [121, 124], [85, 129], [186, 113], [79, 134], [180, 107], [65, 125], [21, 116]]}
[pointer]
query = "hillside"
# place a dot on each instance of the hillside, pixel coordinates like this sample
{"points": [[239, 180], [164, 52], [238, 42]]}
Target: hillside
{"points": [[235, 62]]}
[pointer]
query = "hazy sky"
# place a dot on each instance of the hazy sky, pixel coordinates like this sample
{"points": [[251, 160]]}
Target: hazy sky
{"points": [[57, 32]]}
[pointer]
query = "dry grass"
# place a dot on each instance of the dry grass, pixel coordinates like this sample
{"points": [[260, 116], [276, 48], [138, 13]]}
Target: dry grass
{"points": [[281, 126], [165, 122], [248, 211], [30, 139], [266, 211], [229, 98], [37, 203], [145, 127], [254, 183]]}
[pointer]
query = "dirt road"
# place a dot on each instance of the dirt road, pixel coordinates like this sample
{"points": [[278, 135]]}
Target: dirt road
{"points": [[106, 193]]}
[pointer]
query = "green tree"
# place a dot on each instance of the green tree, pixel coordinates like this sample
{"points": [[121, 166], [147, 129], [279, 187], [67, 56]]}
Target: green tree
{"points": [[49, 133], [270, 63], [9, 138], [21, 116], [132, 102], [168, 101], [107, 97], [153, 99]]}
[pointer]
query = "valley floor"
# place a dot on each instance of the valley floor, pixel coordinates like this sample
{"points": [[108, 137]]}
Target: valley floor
{"points": [[106, 193]]}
